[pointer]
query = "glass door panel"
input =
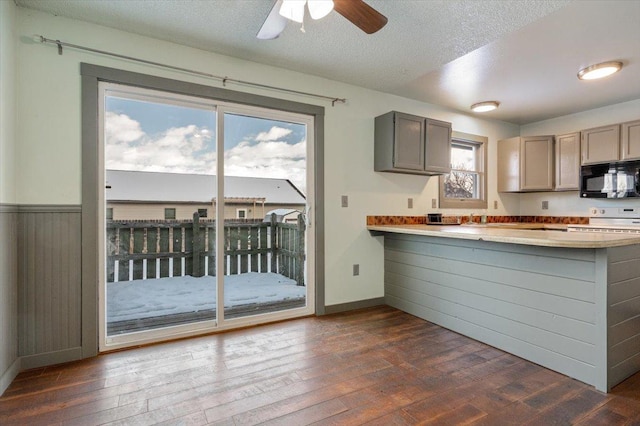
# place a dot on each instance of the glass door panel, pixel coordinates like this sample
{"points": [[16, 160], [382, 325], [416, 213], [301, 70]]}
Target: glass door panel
{"points": [[160, 236], [265, 215]]}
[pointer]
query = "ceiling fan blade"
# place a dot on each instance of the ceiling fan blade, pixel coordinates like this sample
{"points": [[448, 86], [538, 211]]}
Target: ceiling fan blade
{"points": [[361, 15], [274, 24]]}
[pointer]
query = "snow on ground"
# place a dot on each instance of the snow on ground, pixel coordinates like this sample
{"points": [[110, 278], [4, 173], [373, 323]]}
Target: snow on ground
{"points": [[165, 296]]}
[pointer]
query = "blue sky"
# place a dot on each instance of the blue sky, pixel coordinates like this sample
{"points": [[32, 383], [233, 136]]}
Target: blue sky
{"points": [[153, 136]]}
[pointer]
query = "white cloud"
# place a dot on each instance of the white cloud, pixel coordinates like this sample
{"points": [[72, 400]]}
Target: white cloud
{"points": [[119, 128], [268, 159], [273, 134], [190, 149], [178, 150]]}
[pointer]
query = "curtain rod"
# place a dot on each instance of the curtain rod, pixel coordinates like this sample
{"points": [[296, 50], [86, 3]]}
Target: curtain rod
{"points": [[224, 80]]}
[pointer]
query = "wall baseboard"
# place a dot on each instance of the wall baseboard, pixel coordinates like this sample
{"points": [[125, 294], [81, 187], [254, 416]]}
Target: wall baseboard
{"points": [[51, 358], [8, 376], [351, 306]]}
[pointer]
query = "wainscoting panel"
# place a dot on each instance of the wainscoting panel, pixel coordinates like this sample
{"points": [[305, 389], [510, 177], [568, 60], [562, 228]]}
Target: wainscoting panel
{"points": [[9, 363], [49, 276], [624, 312]]}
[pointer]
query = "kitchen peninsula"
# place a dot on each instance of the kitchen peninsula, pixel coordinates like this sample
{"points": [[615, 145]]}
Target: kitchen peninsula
{"points": [[567, 301]]}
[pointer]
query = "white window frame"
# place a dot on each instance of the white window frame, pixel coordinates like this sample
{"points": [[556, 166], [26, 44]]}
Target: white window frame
{"points": [[243, 211], [481, 169]]}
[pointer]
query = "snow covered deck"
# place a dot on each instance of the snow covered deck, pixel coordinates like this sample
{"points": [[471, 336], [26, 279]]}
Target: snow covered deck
{"points": [[145, 304]]}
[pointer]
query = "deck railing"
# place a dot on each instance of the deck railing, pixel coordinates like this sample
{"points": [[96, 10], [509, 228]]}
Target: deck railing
{"points": [[170, 248]]}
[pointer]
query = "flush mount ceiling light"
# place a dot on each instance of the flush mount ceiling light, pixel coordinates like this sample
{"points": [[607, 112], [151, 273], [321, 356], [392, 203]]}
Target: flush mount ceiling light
{"points": [[604, 69], [485, 106]]}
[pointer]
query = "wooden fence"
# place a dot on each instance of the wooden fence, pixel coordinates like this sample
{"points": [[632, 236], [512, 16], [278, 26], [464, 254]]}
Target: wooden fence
{"points": [[159, 249]]}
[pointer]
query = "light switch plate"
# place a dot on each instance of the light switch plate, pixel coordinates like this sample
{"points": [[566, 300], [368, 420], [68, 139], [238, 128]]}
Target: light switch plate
{"points": [[356, 269], [345, 201], [434, 203], [410, 203], [545, 205], [495, 204]]}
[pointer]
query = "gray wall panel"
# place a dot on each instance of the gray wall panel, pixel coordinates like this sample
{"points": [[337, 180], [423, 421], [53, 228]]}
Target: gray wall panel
{"points": [[538, 281], [535, 302], [9, 361], [624, 312], [49, 296], [575, 311], [505, 307], [522, 348]]}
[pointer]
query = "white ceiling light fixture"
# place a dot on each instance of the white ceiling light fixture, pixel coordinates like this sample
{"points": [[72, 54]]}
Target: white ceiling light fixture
{"points": [[357, 12], [318, 9], [485, 106], [604, 69], [294, 9]]}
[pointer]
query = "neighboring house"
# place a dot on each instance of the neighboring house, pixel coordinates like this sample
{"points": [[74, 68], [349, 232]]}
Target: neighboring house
{"points": [[283, 215], [133, 195]]}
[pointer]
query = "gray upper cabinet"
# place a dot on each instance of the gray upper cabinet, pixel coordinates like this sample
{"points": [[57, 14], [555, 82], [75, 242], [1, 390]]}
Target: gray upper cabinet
{"points": [[630, 141], [406, 143], [617, 142], [525, 164], [601, 144], [438, 147], [568, 162]]}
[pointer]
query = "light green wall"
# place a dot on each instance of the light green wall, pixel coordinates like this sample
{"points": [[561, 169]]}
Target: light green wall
{"points": [[7, 101], [48, 117]]}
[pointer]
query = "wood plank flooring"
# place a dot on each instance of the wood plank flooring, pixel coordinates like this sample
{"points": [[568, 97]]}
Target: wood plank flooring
{"points": [[377, 366]]}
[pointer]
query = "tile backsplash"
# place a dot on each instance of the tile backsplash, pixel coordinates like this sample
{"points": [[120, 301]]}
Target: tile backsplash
{"points": [[422, 220]]}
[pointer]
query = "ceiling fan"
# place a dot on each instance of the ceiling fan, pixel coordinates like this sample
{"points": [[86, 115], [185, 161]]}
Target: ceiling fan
{"points": [[358, 12]]}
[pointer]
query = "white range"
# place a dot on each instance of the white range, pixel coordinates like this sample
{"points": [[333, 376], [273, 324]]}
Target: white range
{"points": [[618, 220]]}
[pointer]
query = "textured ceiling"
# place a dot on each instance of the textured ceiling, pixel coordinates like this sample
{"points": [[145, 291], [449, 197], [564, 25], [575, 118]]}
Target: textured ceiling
{"points": [[523, 53]]}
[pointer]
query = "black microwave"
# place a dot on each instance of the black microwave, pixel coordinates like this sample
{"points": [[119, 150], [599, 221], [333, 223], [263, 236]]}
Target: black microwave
{"points": [[610, 180]]}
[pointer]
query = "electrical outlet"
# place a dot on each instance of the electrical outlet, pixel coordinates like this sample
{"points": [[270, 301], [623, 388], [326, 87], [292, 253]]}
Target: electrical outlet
{"points": [[545, 205], [495, 204], [345, 201], [434, 203], [410, 203], [356, 269]]}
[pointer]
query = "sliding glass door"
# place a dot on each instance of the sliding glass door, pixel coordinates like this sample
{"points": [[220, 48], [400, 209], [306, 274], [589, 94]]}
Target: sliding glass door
{"points": [[184, 251], [266, 212]]}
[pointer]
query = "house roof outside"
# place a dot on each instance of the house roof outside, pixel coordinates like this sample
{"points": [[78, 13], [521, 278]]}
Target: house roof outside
{"points": [[131, 186]]}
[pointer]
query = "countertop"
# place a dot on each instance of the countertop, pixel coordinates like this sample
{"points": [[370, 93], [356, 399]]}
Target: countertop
{"points": [[515, 233]]}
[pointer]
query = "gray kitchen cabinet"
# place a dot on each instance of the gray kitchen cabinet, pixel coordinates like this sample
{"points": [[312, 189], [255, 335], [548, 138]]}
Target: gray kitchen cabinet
{"points": [[525, 164], [630, 141], [600, 144], [617, 142], [406, 143], [567, 162]]}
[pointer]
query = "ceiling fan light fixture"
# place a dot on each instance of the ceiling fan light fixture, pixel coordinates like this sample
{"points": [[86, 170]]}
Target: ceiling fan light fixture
{"points": [[293, 10], [485, 106], [318, 9], [604, 69]]}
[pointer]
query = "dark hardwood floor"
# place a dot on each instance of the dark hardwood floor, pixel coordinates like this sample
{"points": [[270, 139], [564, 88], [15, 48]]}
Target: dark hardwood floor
{"points": [[377, 366]]}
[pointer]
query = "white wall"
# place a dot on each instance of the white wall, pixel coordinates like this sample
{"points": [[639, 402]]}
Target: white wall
{"points": [[7, 101], [48, 156], [569, 203]]}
